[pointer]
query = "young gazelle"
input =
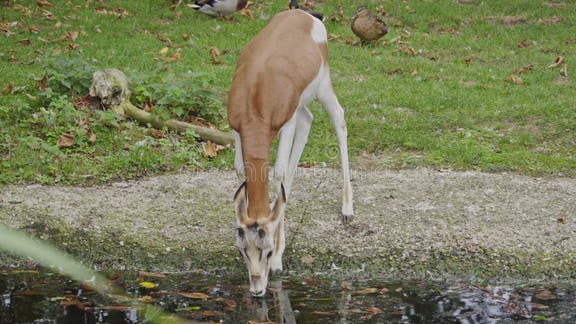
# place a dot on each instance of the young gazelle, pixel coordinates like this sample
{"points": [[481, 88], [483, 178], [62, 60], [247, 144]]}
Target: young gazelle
{"points": [[278, 73]]}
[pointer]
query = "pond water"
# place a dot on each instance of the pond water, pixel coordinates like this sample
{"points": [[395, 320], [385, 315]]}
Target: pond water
{"points": [[43, 297]]}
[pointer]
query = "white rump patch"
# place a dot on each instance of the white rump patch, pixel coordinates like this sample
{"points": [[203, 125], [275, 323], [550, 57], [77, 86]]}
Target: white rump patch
{"points": [[319, 34]]}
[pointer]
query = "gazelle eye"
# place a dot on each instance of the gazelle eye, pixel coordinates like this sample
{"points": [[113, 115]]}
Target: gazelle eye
{"points": [[269, 255], [240, 232]]}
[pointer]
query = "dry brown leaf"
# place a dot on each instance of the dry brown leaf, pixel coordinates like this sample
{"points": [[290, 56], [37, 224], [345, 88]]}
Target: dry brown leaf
{"points": [[247, 13], [545, 294], [215, 55], [525, 69], [91, 137], [48, 15], [156, 133], [367, 291], [209, 149], [24, 42], [175, 57], [373, 310], [307, 259], [8, 89], [152, 274], [42, 84], [515, 79], [44, 3], [407, 50], [523, 44], [557, 62], [66, 140], [164, 51], [73, 35], [193, 295]]}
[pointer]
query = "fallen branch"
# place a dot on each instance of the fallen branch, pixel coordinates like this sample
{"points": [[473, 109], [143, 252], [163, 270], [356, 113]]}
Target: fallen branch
{"points": [[204, 133], [111, 86]]}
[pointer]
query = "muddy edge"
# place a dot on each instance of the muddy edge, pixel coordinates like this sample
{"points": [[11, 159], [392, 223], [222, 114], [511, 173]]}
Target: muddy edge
{"points": [[408, 223]]}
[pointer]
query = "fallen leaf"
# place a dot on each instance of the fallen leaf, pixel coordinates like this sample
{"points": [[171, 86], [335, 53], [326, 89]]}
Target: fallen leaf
{"points": [[163, 51], [367, 291], [73, 35], [407, 50], [147, 284], [557, 62], [156, 133], [42, 83], [515, 79], [44, 3], [24, 42], [317, 312], [536, 306], [8, 89], [48, 15], [92, 137], [209, 149], [523, 44], [545, 294], [373, 310], [525, 69], [151, 274], [175, 57], [146, 299], [307, 259], [215, 55], [193, 295], [65, 140]]}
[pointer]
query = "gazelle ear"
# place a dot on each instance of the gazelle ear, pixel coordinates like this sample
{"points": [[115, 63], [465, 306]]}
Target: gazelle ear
{"points": [[279, 204], [240, 203]]}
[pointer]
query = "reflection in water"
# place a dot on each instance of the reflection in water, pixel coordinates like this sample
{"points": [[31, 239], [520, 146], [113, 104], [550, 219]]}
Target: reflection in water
{"points": [[282, 309], [48, 298]]}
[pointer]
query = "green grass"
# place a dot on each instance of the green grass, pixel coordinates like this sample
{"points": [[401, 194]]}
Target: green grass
{"points": [[449, 105]]}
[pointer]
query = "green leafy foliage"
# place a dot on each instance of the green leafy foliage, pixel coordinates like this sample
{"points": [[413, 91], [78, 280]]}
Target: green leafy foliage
{"points": [[68, 75], [181, 96]]}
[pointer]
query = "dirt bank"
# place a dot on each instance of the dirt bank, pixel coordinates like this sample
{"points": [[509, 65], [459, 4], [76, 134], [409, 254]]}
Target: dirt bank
{"points": [[407, 223]]}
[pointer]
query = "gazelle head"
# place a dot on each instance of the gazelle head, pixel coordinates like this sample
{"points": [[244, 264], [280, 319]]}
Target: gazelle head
{"points": [[258, 240]]}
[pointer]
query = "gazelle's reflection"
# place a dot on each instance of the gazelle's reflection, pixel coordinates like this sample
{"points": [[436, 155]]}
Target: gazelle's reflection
{"points": [[282, 308]]}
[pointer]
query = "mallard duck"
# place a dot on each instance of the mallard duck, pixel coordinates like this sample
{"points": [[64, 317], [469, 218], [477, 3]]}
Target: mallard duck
{"points": [[218, 8], [367, 26]]}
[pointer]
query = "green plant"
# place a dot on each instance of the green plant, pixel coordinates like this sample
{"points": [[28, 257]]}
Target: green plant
{"points": [[181, 96]]}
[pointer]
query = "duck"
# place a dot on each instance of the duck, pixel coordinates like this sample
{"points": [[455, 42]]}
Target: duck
{"points": [[367, 26], [294, 5], [218, 8]]}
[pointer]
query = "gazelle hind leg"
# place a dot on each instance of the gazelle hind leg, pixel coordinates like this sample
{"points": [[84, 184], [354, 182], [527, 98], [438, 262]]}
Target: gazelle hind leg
{"points": [[329, 101], [304, 120]]}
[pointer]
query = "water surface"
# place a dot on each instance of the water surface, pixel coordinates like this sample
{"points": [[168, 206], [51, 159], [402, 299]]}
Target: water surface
{"points": [[44, 297]]}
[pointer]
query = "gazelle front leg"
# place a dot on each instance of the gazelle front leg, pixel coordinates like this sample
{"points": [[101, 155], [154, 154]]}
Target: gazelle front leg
{"points": [[304, 120], [238, 161]]}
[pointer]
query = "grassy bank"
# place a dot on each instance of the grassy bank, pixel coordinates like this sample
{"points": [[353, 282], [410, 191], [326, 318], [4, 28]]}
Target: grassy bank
{"points": [[456, 84]]}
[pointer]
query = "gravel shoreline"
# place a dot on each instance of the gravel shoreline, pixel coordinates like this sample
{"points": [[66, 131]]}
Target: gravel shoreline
{"points": [[417, 222]]}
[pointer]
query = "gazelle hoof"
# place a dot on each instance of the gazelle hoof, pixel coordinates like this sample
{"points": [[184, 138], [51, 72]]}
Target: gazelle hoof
{"points": [[346, 219]]}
